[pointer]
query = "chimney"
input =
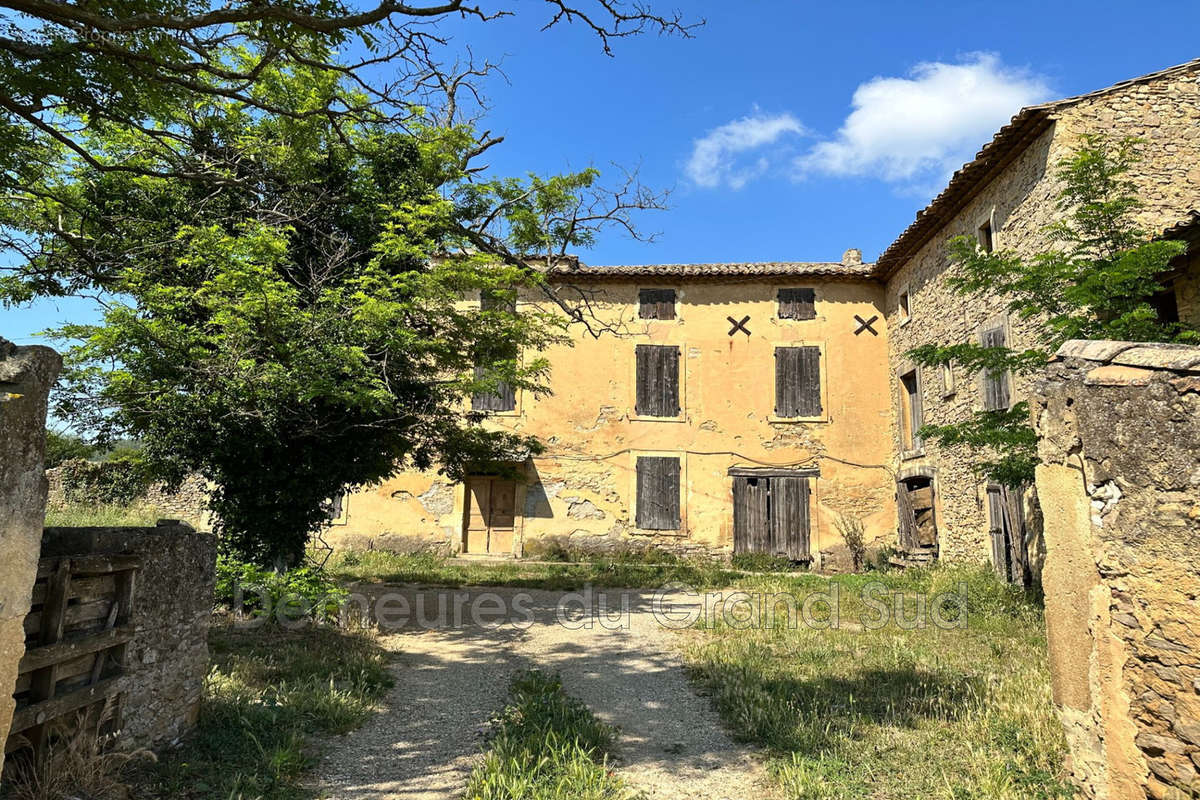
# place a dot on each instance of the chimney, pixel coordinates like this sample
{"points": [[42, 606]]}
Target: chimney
{"points": [[852, 257]]}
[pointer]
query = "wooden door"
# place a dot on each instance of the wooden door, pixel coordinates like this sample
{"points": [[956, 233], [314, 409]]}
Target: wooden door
{"points": [[770, 515], [750, 520], [789, 518], [490, 516]]}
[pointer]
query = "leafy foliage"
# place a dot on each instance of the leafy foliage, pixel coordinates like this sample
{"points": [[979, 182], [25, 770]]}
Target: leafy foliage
{"points": [[62, 447], [119, 481], [299, 594], [1097, 283]]}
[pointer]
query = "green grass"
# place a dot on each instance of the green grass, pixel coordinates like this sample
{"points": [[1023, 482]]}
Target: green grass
{"points": [[546, 745], [269, 693], [380, 566], [71, 515], [892, 713]]}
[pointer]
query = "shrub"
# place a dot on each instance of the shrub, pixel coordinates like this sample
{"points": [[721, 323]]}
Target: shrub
{"points": [[852, 532], [304, 592], [118, 481]]}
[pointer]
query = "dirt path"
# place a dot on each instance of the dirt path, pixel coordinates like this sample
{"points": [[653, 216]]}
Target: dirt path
{"points": [[428, 734]]}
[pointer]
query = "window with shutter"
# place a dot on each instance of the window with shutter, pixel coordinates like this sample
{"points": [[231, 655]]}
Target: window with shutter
{"points": [[911, 411], [656, 304], [657, 380], [798, 381], [658, 493], [797, 304], [996, 395], [504, 398]]}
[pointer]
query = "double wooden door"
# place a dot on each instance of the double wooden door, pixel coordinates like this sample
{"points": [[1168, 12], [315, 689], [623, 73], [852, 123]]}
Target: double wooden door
{"points": [[490, 516], [770, 515]]}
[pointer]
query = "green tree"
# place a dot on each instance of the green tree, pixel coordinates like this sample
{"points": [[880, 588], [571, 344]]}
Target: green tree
{"points": [[1096, 283], [62, 447], [297, 327]]}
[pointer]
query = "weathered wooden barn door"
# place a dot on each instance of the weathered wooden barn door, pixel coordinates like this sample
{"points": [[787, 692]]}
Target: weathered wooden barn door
{"points": [[751, 526], [789, 517], [1006, 518], [770, 515], [490, 516]]}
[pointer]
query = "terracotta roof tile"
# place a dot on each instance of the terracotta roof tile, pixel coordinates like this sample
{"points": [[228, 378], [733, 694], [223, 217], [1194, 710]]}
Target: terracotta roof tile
{"points": [[725, 270]]}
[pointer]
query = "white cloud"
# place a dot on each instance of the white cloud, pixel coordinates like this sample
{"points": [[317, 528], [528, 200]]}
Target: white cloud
{"points": [[733, 154], [922, 127]]}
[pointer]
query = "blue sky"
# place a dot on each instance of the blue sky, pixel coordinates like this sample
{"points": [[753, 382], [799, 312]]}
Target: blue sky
{"points": [[786, 130]]}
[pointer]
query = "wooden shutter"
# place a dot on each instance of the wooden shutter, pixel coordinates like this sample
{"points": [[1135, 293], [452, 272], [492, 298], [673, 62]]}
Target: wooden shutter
{"points": [[503, 399], [995, 384], [656, 303], [657, 380], [798, 381], [916, 409], [996, 525], [789, 518], [797, 304], [658, 493]]}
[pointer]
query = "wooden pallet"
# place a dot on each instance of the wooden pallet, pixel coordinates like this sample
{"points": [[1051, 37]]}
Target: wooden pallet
{"points": [[77, 633]]}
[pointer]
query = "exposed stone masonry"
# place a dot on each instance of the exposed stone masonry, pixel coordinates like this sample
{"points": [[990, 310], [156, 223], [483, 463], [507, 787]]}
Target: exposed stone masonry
{"points": [[1119, 428]]}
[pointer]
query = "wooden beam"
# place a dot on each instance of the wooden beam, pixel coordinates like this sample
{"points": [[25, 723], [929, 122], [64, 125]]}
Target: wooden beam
{"points": [[41, 713], [45, 655]]}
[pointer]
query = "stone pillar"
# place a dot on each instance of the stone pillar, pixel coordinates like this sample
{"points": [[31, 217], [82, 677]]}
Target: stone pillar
{"points": [[26, 375], [1119, 484]]}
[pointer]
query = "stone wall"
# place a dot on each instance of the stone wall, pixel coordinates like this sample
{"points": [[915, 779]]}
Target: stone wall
{"points": [[1019, 203], [188, 503], [173, 600], [1119, 429], [26, 375]]}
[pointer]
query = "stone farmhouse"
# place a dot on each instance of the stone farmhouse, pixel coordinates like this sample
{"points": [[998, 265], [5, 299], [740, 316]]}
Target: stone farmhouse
{"points": [[758, 407]]}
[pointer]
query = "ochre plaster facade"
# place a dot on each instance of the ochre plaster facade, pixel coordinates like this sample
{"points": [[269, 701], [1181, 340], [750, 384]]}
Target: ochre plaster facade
{"points": [[582, 489]]}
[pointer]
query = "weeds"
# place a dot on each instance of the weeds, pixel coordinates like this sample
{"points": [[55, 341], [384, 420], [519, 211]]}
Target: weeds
{"points": [[72, 515], [269, 692], [78, 768], [546, 745], [623, 570], [901, 714], [855, 537]]}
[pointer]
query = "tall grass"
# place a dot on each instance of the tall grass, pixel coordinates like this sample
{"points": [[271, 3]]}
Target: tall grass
{"points": [[546, 745], [73, 515], [894, 713], [619, 570], [269, 692]]}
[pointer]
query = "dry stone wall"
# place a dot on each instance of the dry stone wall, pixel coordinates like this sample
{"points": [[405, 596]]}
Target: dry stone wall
{"points": [[26, 375], [188, 503], [173, 601], [1119, 429]]}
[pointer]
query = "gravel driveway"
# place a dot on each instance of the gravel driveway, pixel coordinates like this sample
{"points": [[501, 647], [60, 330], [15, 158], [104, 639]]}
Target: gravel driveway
{"points": [[452, 674]]}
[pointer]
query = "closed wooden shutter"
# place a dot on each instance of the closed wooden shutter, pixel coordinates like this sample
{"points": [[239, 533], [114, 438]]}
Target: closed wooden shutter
{"points": [[657, 380], [656, 304], [995, 384], [798, 381], [996, 525], [503, 399], [797, 304], [658, 493]]}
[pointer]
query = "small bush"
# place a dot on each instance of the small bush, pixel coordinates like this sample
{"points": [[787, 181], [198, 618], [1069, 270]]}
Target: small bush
{"points": [[304, 592], [854, 535]]}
